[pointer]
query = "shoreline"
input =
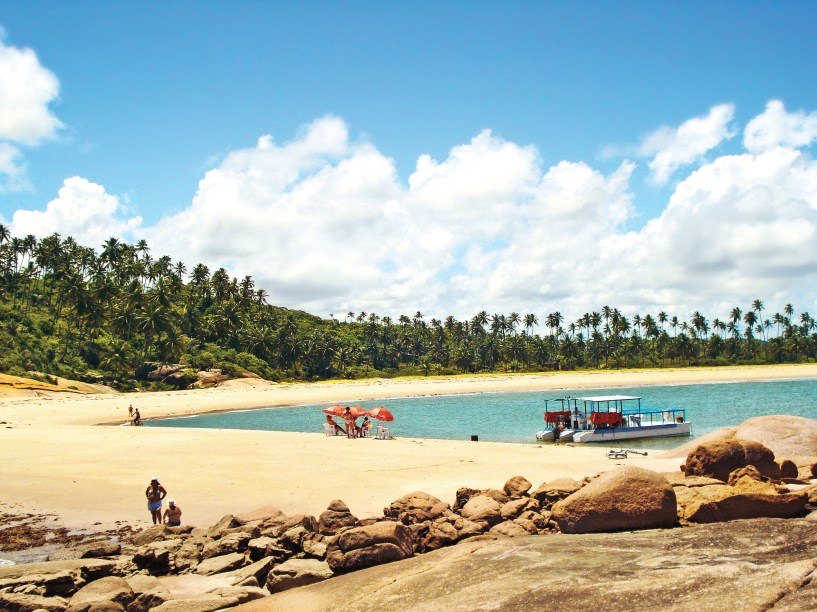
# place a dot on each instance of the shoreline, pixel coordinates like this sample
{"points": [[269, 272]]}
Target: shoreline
{"points": [[56, 459]]}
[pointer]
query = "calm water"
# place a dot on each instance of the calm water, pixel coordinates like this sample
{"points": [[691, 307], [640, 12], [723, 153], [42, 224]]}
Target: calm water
{"points": [[516, 417]]}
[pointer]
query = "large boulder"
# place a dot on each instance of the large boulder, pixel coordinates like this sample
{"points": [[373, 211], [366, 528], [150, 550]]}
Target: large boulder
{"points": [[21, 602], [224, 563], [720, 458], [109, 590], [624, 498], [297, 573], [336, 517], [370, 545], [415, 508], [785, 435]]}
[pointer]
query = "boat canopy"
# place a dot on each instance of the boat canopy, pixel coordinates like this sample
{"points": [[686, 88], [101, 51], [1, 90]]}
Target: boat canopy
{"points": [[608, 398]]}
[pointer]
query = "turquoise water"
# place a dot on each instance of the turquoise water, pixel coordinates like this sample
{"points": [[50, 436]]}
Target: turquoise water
{"points": [[516, 417]]}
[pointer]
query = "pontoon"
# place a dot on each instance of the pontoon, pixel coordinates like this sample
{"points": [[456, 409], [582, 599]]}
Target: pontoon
{"points": [[609, 418]]}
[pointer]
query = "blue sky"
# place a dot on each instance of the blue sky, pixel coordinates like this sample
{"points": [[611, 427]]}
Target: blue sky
{"points": [[444, 157]]}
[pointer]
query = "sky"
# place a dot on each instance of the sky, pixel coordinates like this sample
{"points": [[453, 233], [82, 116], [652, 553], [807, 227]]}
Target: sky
{"points": [[441, 157]]}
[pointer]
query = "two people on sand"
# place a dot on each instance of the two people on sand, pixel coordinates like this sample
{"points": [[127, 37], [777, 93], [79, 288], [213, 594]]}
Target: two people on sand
{"points": [[155, 493], [136, 417]]}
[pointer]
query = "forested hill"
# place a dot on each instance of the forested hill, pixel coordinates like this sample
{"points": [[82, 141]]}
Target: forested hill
{"points": [[71, 311]]}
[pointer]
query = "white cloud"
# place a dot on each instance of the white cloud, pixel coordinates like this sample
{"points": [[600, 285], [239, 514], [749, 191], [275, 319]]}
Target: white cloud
{"points": [[26, 90], [82, 210], [673, 148], [325, 225], [775, 127], [12, 170]]}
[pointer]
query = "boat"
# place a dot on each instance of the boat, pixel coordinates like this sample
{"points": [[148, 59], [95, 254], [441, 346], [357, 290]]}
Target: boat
{"points": [[609, 418], [557, 420]]}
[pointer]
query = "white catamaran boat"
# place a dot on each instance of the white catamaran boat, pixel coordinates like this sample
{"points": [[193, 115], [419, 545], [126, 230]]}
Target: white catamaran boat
{"points": [[610, 418]]}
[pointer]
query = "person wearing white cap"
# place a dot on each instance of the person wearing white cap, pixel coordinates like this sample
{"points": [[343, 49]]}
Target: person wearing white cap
{"points": [[173, 514], [155, 494]]}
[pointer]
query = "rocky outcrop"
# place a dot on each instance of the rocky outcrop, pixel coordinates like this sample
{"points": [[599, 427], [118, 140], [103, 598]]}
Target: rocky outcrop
{"points": [[721, 458], [516, 487], [415, 508], [624, 498], [362, 547], [757, 564], [548, 493]]}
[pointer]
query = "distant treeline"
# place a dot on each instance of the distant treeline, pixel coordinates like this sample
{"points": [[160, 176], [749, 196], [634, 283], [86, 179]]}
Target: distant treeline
{"points": [[67, 310]]}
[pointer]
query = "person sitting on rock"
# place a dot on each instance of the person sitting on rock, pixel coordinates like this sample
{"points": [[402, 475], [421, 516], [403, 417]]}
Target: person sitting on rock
{"points": [[173, 514]]}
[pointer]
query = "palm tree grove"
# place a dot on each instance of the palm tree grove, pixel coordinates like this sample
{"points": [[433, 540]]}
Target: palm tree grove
{"points": [[73, 312]]}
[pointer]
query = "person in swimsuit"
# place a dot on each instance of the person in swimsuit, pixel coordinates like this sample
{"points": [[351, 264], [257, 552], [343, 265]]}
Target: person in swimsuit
{"points": [[365, 427], [351, 423], [155, 494], [137, 418], [173, 514]]}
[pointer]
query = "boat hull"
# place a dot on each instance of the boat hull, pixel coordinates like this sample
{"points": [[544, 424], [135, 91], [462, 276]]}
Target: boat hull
{"points": [[631, 433]]}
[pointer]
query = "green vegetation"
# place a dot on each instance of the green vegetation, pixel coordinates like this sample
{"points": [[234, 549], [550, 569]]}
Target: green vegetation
{"points": [[67, 310]]}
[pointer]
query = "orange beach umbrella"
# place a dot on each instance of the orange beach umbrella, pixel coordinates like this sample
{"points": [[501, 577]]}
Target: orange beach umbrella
{"points": [[381, 414], [340, 411]]}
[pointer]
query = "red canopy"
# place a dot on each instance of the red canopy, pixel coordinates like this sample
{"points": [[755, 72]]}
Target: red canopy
{"points": [[381, 414], [557, 416]]}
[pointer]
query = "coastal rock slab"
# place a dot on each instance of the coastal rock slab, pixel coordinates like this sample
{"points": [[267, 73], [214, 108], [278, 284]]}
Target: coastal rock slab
{"points": [[297, 573], [785, 435], [624, 498], [216, 565], [745, 565], [21, 602], [110, 590]]}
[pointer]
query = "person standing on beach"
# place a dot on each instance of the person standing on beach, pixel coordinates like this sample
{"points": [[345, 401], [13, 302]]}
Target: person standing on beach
{"points": [[351, 423], [155, 493], [130, 411], [137, 418]]}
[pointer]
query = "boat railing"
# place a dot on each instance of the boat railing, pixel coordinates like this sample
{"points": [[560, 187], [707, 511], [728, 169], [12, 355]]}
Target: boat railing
{"points": [[654, 417]]}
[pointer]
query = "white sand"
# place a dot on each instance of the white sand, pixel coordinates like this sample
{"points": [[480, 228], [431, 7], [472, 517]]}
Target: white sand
{"points": [[56, 459]]}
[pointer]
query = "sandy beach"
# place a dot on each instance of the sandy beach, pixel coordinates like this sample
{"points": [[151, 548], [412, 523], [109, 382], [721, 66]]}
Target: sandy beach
{"points": [[64, 454]]}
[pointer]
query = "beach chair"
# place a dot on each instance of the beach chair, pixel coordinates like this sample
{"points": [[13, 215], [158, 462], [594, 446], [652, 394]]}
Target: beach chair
{"points": [[383, 433], [329, 430]]}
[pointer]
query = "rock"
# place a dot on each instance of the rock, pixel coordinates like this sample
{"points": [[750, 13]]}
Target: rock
{"points": [[336, 517], [624, 498], [464, 494], [275, 530], [156, 557], [784, 435], [747, 472], [257, 571], [469, 529], [746, 565], [189, 553], [719, 459], [112, 589], [752, 499], [205, 603], [513, 508], [361, 547], [296, 573], [314, 548], [292, 538], [152, 534], [789, 469], [548, 493], [20, 602], [230, 543], [267, 514], [101, 549], [509, 529], [440, 533], [518, 486], [482, 508], [216, 565], [149, 593], [415, 508], [224, 523], [241, 594]]}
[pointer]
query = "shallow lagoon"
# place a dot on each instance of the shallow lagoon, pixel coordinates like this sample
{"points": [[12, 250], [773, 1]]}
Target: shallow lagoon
{"points": [[516, 417]]}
